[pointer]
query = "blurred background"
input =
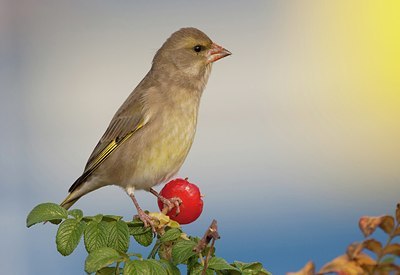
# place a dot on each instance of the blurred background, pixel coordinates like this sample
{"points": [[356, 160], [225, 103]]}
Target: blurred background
{"points": [[298, 134]]}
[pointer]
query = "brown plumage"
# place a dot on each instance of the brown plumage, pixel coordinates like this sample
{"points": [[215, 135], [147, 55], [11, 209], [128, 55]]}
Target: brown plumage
{"points": [[151, 134]]}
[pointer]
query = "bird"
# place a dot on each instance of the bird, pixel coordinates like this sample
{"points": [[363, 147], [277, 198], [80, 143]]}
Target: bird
{"points": [[150, 135]]}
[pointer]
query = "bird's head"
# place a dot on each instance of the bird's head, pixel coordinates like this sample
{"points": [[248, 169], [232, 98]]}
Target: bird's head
{"points": [[190, 52]]}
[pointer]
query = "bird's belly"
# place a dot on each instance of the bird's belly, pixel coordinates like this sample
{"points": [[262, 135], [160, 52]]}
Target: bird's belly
{"points": [[162, 151]]}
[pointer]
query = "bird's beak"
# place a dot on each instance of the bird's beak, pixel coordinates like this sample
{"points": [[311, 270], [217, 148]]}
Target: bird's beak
{"points": [[216, 52]]}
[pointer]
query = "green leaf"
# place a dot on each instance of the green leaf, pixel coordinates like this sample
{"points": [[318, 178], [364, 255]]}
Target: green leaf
{"points": [[143, 235], [144, 239], [192, 262], [155, 266], [169, 267], [264, 272], [198, 270], [68, 235], [110, 218], [76, 213], [100, 258], [96, 218], [143, 267], [219, 264], [117, 233], [45, 212], [182, 251], [171, 235], [95, 235], [107, 271], [251, 268]]}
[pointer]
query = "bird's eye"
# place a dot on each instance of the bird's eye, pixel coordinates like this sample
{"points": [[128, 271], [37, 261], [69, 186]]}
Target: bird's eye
{"points": [[197, 48]]}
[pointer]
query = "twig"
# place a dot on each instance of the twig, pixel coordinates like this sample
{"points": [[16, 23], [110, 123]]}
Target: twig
{"points": [[210, 236], [211, 233]]}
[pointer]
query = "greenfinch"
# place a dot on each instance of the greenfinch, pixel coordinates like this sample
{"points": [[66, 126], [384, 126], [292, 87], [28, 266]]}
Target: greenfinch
{"points": [[151, 134]]}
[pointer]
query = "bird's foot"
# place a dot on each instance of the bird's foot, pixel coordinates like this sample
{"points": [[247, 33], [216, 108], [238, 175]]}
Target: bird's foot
{"points": [[146, 219], [170, 204]]}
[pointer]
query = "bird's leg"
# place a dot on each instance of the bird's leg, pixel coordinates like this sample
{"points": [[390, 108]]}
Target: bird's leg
{"points": [[169, 204], [146, 219]]}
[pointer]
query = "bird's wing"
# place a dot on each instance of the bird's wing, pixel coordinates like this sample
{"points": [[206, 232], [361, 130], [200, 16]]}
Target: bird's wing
{"points": [[126, 122]]}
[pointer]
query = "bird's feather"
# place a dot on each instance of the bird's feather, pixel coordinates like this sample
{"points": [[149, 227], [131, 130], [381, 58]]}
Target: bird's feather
{"points": [[126, 122]]}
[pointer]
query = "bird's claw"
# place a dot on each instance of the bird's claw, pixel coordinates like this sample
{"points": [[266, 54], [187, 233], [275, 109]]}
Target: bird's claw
{"points": [[146, 219], [170, 204]]}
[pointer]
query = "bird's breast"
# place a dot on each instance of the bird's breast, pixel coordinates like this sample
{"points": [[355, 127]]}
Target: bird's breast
{"points": [[164, 142]]}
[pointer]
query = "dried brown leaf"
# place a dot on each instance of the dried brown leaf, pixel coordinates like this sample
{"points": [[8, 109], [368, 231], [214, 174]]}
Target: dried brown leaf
{"points": [[364, 260], [393, 249], [398, 213], [342, 265], [387, 269], [368, 268], [368, 224], [396, 232], [387, 224], [353, 250], [373, 245], [308, 269]]}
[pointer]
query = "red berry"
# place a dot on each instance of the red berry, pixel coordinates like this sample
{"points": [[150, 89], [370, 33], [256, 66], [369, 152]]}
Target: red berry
{"points": [[192, 204]]}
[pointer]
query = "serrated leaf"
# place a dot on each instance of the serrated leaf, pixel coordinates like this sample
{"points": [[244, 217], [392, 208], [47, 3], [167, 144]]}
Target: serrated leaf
{"points": [[144, 239], [96, 218], [143, 235], [169, 267], [145, 267], [45, 212], [117, 233], [76, 213], [95, 236], [155, 266], [198, 270], [106, 271], [110, 218], [100, 258], [171, 235], [264, 272], [182, 251], [138, 229], [219, 264], [257, 268], [135, 222], [56, 222], [68, 236]]}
